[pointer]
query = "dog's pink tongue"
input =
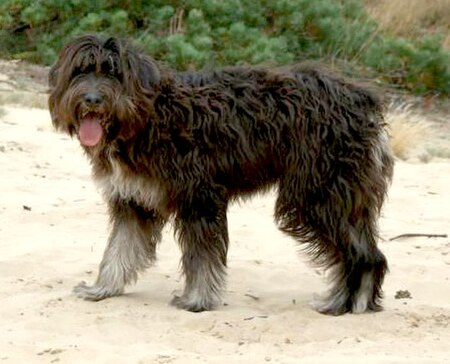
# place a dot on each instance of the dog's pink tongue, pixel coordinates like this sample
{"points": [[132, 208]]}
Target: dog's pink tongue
{"points": [[90, 132]]}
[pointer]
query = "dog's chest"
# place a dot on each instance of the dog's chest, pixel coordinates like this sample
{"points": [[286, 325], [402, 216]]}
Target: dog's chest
{"points": [[130, 187]]}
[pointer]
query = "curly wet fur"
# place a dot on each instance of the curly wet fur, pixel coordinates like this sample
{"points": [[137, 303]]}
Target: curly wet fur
{"points": [[186, 144]]}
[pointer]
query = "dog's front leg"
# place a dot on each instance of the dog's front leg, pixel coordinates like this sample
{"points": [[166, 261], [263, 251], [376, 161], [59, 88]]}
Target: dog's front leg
{"points": [[131, 248], [203, 237]]}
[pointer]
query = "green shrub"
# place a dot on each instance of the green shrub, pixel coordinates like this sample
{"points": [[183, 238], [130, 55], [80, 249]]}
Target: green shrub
{"points": [[421, 66], [191, 34]]}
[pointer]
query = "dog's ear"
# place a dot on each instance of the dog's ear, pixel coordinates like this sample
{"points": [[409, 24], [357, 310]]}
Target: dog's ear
{"points": [[148, 71], [52, 75], [144, 68]]}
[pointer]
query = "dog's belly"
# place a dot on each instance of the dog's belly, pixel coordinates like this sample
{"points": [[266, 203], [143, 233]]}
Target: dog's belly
{"points": [[251, 175], [243, 187]]}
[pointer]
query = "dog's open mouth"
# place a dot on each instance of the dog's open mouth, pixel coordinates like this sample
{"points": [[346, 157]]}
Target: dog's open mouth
{"points": [[90, 132]]}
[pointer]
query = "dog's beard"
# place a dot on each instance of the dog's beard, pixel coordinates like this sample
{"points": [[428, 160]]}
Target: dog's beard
{"points": [[98, 123], [95, 125]]}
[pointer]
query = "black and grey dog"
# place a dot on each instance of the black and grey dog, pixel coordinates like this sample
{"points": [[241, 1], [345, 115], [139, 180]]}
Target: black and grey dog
{"points": [[165, 144]]}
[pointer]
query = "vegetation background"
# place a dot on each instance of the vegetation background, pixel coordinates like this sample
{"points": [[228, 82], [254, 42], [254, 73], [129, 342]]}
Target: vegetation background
{"points": [[401, 43]]}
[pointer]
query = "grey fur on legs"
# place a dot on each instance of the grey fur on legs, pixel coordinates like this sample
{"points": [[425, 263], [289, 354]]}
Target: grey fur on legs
{"points": [[203, 238], [130, 250]]}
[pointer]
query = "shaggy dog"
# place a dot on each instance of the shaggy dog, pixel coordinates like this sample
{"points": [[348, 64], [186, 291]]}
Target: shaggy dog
{"points": [[174, 145]]}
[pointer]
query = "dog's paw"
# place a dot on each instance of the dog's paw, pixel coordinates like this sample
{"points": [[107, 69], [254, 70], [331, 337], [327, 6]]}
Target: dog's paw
{"points": [[331, 305], [189, 304], [94, 292]]}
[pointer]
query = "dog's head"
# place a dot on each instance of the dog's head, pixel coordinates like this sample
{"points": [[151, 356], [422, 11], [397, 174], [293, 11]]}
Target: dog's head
{"points": [[101, 89]]}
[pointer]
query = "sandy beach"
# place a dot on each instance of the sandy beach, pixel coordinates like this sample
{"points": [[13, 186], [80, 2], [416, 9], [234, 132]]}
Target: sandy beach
{"points": [[53, 230]]}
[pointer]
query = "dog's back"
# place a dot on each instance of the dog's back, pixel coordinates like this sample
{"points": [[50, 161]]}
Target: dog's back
{"points": [[259, 123]]}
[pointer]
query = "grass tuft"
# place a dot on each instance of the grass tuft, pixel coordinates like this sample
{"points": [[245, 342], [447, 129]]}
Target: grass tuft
{"points": [[409, 131]]}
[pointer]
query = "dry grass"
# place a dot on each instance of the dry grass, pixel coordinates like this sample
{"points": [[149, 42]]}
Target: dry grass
{"points": [[412, 17], [410, 132], [23, 84]]}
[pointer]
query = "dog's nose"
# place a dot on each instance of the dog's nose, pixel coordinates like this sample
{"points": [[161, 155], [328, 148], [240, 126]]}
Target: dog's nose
{"points": [[92, 98]]}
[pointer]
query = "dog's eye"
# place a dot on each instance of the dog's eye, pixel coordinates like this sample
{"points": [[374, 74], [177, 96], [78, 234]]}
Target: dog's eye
{"points": [[83, 70], [111, 67], [107, 68], [77, 72]]}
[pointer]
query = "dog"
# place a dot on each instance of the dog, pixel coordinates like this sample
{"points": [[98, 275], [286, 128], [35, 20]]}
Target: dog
{"points": [[183, 145]]}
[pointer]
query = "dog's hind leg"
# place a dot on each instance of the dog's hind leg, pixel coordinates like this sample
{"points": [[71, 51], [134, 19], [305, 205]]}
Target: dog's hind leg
{"points": [[358, 274], [203, 236], [340, 231], [131, 249]]}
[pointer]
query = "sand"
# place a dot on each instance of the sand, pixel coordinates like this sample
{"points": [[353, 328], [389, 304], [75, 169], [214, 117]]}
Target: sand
{"points": [[53, 229]]}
